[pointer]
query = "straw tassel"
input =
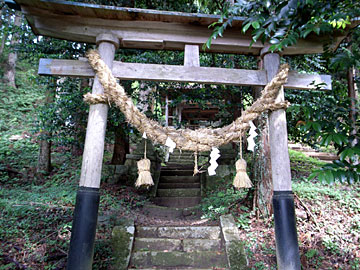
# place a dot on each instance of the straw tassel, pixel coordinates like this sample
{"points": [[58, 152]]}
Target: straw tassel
{"points": [[241, 179], [144, 178]]}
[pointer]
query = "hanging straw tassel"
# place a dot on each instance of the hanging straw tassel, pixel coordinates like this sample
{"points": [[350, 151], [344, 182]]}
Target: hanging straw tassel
{"points": [[241, 179], [144, 178]]}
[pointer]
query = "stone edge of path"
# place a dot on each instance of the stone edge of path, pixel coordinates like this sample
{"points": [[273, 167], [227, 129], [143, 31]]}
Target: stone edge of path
{"points": [[122, 242], [234, 247]]}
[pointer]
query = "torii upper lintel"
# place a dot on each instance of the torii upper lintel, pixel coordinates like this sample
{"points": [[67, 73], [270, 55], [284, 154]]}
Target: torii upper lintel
{"points": [[150, 29]]}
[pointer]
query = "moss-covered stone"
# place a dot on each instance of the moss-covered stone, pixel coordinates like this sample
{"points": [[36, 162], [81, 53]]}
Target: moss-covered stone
{"points": [[191, 245], [234, 246], [171, 259], [157, 244], [199, 259], [122, 241], [223, 173], [237, 255]]}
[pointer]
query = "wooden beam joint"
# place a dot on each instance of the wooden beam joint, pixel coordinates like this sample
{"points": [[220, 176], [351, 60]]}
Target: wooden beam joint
{"points": [[108, 38]]}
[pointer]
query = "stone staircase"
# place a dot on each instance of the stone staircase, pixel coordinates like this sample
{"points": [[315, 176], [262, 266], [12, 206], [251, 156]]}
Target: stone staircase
{"points": [[178, 191], [178, 187], [178, 248]]}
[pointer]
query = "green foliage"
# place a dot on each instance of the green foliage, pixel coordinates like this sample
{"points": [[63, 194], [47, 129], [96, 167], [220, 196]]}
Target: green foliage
{"points": [[302, 165], [220, 202], [340, 170], [17, 109], [313, 257], [321, 119], [300, 157], [318, 115], [344, 196], [348, 54], [324, 121], [283, 23], [36, 218], [64, 115]]}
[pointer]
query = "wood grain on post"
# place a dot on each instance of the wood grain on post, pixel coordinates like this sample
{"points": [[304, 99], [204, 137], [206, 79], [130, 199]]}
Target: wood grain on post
{"points": [[96, 127], [167, 110], [191, 56], [280, 161], [191, 59]]}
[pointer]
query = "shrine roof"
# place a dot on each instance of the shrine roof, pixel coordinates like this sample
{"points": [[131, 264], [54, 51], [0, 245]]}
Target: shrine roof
{"points": [[122, 13], [150, 29]]}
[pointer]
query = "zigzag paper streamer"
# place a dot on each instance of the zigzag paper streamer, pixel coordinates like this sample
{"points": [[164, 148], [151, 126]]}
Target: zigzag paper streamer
{"points": [[214, 155], [250, 139], [171, 144]]}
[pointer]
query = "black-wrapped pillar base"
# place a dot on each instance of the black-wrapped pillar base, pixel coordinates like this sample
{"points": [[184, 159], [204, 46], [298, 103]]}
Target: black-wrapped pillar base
{"points": [[83, 229], [287, 247]]}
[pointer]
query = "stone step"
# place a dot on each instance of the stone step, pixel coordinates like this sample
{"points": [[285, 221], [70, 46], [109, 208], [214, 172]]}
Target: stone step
{"points": [[186, 245], [171, 212], [179, 179], [172, 171], [157, 244], [193, 245], [179, 185], [181, 160], [179, 259], [180, 202], [182, 163], [178, 192], [182, 153], [185, 232], [184, 156]]}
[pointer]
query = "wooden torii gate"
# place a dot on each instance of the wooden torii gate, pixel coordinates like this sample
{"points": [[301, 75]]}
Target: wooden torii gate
{"points": [[116, 27]]}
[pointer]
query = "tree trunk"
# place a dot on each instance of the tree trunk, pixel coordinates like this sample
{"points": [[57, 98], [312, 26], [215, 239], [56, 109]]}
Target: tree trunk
{"points": [[44, 159], [262, 161], [262, 168], [121, 146], [353, 97], [9, 75], [5, 33], [2, 44]]}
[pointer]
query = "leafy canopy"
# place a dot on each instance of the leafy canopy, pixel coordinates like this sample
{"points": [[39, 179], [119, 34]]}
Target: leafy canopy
{"points": [[283, 23]]}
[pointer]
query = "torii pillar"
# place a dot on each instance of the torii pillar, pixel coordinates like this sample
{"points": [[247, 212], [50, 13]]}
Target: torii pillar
{"points": [[88, 197], [287, 248]]}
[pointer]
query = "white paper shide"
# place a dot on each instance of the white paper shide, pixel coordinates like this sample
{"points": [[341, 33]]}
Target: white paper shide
{"points": [[250, 139], [171, 144], [214, 155]]}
